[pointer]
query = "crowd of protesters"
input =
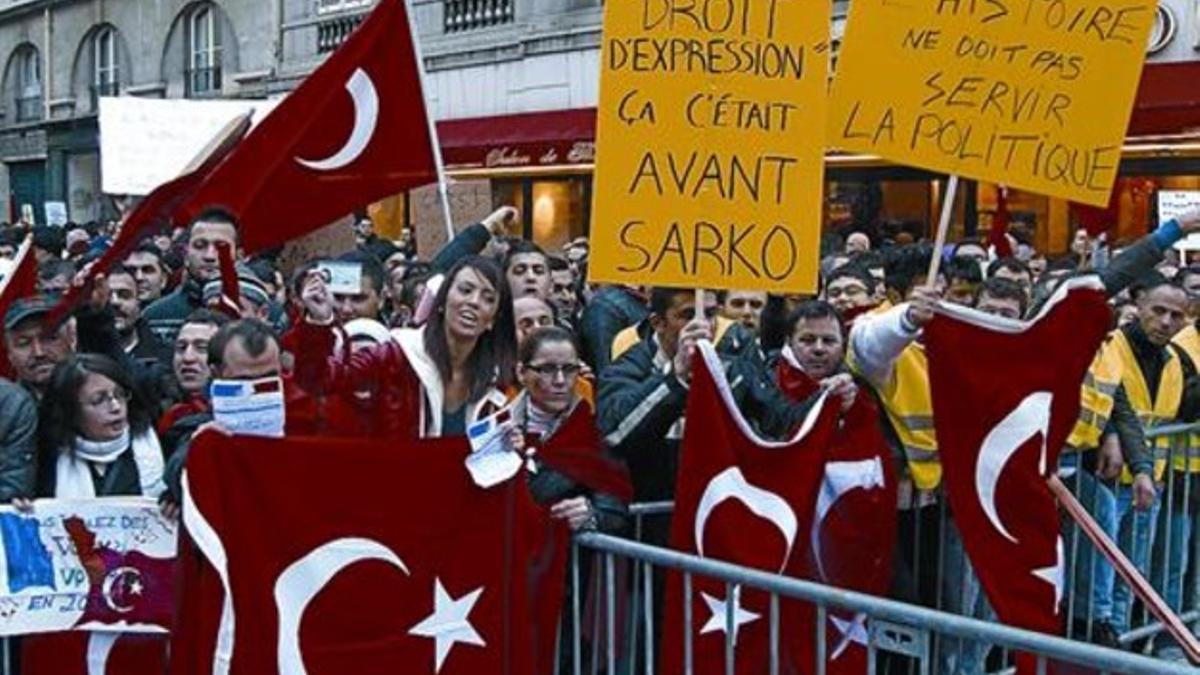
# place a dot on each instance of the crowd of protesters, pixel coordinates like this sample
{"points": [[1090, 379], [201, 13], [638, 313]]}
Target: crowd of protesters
{"points": [[106, 401]]}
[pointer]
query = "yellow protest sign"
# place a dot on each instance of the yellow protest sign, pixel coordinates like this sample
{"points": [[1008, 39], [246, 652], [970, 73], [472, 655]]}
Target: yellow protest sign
{"points": [[710, 143], [1034, 94]]}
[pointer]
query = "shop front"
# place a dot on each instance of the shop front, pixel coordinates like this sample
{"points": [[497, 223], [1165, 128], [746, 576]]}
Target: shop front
{"points": [[542, 163]]}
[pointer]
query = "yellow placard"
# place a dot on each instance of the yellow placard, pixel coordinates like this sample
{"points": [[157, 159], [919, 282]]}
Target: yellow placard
{"points": [[1033, 94], [710, 143]]}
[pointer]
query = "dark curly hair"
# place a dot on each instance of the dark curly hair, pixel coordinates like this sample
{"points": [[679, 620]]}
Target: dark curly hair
{"points": [[59, 413]]}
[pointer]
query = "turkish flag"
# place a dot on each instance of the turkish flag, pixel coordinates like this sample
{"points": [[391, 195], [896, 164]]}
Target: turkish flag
{"points": [[355, 131], [747, 501], [78, 653], [1005, 397], [20, 282], [853, 537], [362, 557]]}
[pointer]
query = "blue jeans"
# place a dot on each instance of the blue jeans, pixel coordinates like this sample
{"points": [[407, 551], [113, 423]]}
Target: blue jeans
{"points": [[1092, 576], [1136, 539], [962, 594]]}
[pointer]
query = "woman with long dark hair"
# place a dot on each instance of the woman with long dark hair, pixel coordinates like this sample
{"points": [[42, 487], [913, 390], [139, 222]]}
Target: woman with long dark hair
{"points": [[96, 437], [425, 382]]}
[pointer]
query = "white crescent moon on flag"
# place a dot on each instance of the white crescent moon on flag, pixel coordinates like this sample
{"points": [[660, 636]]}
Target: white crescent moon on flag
{"points": [[366, 117], [106, 588], [302, 580], [1030, 418], [731, 484], [840, 478], [99, 646]]}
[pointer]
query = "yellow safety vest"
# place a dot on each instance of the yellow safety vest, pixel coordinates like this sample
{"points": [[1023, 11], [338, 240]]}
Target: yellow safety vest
{"points": [[629, 337], [1188, 340], [909, 407], [1162, 409], [1096, 400]]}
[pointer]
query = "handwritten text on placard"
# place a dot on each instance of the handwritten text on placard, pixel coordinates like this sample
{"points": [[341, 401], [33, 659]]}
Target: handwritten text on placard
{"points": [[710, 144], [1030, 93]]}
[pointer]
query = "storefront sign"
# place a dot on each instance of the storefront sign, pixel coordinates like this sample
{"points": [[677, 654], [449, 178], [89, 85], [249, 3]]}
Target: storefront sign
{"points": [[710, 161], [1034, 94]]}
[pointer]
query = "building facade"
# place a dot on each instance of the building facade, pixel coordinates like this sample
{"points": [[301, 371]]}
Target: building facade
{"points": [[513, 83]]}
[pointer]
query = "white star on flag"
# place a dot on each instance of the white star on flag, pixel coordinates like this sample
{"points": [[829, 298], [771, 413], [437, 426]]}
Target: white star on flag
{"points": [[448, 625], [853, 632], [1054, 575], [719, 608]]}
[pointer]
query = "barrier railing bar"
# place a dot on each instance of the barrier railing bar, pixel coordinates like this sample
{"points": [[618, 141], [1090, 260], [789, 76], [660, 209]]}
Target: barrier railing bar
{"points": [[648, 611], [774, 628], [962, 627], [577, 640], [610, 601], [731, 607], [687, 623]]}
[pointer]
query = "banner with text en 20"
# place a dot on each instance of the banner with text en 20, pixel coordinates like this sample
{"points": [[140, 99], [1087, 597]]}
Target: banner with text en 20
{"points": [[1034, 94], [710, 144]]}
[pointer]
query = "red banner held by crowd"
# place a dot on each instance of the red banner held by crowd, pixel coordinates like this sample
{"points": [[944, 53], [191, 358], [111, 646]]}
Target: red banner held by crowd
{"points": [[854, 531], [156, 213], [93, 654], [747, 501], [354, 132], [349, 556], [19, 282], [1003, 409]]}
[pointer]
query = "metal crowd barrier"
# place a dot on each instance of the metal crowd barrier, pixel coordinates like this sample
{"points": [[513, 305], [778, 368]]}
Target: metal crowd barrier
{"points": [[894, 627], [933, 573]]}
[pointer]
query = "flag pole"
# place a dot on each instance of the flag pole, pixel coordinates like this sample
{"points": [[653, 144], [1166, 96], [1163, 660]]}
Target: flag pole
{"points": [[943, 225], [443, 187], [1170, 620]]}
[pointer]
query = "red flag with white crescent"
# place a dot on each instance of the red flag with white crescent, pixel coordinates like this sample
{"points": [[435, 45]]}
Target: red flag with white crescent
{"points": [[1005, 397], [355, 131], [853, 536], [362, 557], [748, 501], [79, 653], [19, 282]]}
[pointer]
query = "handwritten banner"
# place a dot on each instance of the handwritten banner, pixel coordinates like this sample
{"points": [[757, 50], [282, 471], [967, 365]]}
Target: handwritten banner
{"points": [[97, 564], [1034, 94], [710, 151]]}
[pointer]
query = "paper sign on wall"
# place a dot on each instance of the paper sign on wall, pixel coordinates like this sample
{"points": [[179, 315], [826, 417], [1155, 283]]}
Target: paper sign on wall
{"points": [[1034, 94], [710, 150], [1175, 203]]}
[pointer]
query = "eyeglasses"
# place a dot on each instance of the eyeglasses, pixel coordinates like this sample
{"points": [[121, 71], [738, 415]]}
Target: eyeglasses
{"points": [[105, 398], [548, 371], [848, 291]]}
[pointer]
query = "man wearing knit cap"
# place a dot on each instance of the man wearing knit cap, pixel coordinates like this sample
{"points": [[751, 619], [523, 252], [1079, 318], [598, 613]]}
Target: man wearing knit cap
{"points": [[255, 301]]}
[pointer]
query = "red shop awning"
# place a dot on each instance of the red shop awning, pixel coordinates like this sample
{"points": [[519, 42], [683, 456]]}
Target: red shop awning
{"points": [[1168, 99], [557, 137]]}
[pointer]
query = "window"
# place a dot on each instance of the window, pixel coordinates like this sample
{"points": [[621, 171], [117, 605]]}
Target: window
{"points": [[106, 75], [463, 15], [204, 53], [28, 85]]}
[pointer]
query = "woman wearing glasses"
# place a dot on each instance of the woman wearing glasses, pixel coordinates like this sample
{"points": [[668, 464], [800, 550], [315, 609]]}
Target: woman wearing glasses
{"points": [[582, 485], [96, 434]]}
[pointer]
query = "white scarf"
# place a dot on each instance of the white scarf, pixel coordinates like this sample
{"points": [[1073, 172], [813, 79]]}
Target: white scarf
{"points": [[74, 477]]}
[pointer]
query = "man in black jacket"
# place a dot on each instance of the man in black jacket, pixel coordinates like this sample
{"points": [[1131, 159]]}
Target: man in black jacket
{"points": [[166, 315], [135, 336], [643, 394], [18, 442]]}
